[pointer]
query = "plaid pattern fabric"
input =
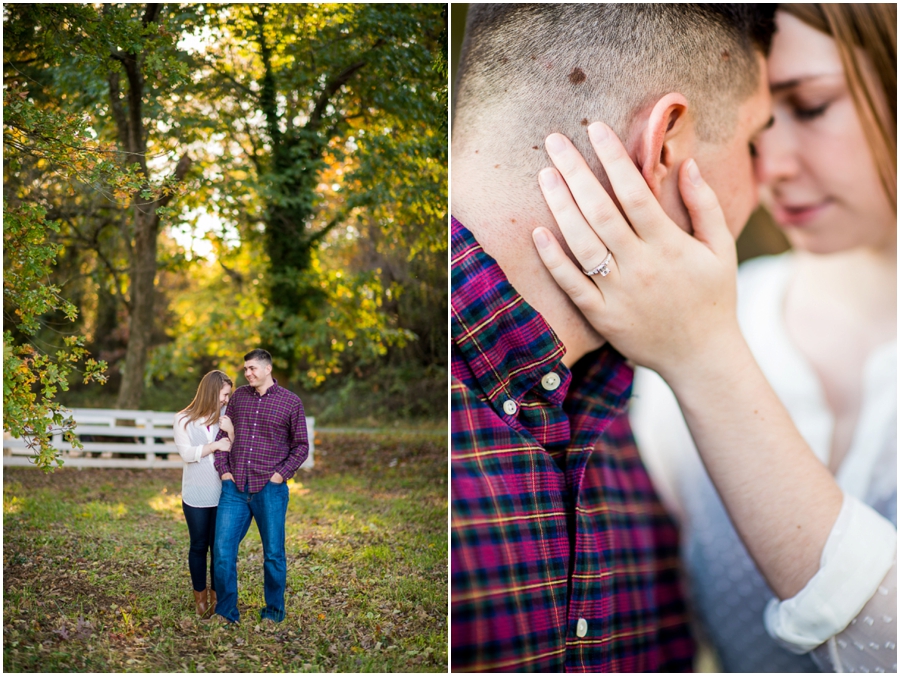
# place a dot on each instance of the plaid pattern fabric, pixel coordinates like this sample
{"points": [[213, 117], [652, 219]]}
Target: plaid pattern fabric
{"points": [[269, 436], [562, 557]]}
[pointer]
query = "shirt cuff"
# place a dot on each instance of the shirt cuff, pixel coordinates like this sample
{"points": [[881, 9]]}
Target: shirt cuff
{"points": [[858, 554], [190, 453]]}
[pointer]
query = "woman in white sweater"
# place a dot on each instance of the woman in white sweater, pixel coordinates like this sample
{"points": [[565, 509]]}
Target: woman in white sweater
{"points": [[196, 428]]}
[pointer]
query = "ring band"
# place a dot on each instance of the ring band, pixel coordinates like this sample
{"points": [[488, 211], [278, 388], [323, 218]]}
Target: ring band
{"points": [[602, 269]]}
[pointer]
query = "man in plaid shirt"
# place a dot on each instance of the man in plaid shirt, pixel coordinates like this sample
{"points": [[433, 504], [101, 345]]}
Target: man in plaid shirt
{"points": [[562, 557], [269, 445]]}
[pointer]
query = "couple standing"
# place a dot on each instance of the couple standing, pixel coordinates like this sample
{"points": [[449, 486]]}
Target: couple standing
{"points": [[235, 470]]}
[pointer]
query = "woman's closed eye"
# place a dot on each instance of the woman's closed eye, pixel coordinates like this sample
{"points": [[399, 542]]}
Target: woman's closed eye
{"points": [[806, 113]]}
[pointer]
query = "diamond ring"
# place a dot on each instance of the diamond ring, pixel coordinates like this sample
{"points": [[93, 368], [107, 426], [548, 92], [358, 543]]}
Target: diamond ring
{"points": [[602, 269]]}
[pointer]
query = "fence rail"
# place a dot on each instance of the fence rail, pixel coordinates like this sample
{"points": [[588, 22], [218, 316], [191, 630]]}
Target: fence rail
{"points": [[146, 435]]}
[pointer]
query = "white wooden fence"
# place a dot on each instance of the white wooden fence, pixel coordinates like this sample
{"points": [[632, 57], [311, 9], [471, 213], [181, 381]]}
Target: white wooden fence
{"points": [[145, 438]]}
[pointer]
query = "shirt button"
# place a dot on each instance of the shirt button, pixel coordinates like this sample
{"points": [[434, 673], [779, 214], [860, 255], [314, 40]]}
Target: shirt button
{"points": [[550, 381], [510, 407], [581, 628]]}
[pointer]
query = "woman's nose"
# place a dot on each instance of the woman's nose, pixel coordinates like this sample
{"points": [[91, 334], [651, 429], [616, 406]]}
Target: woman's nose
{"points": [[776, 156]]}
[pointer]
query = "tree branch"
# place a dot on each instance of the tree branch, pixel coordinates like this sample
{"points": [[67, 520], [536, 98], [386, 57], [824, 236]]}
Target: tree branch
{"points": [[234, 274], [330, 226], [331, 88], [240, 85]]}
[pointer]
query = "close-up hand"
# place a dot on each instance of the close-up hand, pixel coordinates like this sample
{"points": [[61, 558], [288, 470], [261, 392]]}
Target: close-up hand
{"points": [[226, 425], [224, 444], [661, 296]]}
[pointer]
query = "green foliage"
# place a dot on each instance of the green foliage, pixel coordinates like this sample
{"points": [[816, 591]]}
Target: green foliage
{"points": [[303, 94], [31, 380], [315, 130]]}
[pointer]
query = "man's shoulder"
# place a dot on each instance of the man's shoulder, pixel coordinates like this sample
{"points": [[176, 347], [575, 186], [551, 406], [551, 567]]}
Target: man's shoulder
{"points": [[287, 395], [242, 391]]}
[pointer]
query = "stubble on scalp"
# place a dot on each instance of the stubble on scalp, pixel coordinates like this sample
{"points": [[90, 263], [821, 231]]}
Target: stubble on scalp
{"points": [[530, 70]]}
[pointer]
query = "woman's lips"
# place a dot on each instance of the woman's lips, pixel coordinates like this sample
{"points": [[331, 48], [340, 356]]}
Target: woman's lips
{"points": [[800, 214]]}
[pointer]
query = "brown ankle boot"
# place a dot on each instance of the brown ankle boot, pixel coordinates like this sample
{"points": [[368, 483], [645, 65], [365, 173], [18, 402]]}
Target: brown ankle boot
{"points": [[212, 601], [200, 601]]}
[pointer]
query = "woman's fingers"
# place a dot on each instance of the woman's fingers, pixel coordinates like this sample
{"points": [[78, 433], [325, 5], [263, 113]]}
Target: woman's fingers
{"points": [[584, 293], [581, 239], [638, 201], [703, 206], [590, 197]]}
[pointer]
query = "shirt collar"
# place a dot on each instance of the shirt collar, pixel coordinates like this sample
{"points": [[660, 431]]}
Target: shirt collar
{"points": [[271, 389], [510, 348]]}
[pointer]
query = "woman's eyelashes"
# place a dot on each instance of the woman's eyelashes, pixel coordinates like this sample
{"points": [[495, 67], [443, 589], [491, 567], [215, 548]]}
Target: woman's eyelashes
{"points": [[805, 113]]}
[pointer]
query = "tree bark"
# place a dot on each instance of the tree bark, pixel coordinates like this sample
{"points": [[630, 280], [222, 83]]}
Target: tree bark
{"points": [[128, 115]]}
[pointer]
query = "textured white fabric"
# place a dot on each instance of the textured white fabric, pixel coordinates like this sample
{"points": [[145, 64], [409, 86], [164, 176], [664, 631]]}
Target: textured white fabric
{"points": [[725, 584], [859, 552], [200, 483], [869, 644]]}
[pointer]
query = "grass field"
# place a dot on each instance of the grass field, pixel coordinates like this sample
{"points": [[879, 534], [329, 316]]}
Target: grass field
{"points": [[95, 571]]}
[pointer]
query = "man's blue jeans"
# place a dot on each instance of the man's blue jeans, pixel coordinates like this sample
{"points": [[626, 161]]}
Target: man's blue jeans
{"points": [[236, 509]]}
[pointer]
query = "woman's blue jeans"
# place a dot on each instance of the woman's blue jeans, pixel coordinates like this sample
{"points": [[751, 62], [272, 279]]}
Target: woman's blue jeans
{"points": [[236, 510]]}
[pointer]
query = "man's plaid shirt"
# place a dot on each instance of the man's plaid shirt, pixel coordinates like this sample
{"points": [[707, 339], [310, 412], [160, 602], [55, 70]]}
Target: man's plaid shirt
{"points": [[269, 436], [562, 556]]}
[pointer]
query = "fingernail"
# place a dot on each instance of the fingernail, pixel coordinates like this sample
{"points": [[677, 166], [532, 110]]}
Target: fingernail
{"points": [[548, 178], [540, 238], [694, 173], [598, 132], [555, 143]]}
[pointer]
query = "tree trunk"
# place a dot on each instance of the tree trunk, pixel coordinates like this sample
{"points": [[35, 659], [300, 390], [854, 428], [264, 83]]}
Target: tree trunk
{"points": [[128, 114], [140, 322]]}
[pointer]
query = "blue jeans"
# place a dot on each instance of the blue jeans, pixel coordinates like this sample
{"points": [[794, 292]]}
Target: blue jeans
{"points": [[201, 523], [236, 510]]}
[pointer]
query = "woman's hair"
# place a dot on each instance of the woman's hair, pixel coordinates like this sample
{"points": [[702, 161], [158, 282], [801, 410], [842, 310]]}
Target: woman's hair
{"points": [[871, 28], [205, 406]]}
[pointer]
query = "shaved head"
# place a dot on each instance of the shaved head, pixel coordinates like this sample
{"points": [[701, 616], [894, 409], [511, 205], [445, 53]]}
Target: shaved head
{"points": [[529, 70]]}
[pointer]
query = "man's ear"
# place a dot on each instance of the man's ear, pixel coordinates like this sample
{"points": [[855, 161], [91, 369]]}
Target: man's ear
{"points": [[666, 141]]}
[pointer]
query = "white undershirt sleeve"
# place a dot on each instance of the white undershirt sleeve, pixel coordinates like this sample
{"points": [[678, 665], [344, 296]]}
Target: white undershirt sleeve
{"points": [[857, 560]]}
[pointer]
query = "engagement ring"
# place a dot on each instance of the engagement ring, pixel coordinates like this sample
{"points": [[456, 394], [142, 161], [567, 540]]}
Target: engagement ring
{"points": [[602, 269]]}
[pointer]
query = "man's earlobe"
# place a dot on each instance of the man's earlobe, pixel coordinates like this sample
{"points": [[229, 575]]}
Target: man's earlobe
{"points": [[664, 141]]}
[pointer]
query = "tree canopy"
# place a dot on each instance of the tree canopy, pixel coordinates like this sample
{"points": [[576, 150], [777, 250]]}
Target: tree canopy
{"points": [[183, 182]]}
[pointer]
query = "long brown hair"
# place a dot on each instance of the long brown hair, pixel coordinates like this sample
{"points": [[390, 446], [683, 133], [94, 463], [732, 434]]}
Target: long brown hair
{"points": [[205, 406], [871, 28]]}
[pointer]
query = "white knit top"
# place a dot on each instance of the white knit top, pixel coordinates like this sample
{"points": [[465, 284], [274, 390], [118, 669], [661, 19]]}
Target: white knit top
{"points": [[200, 483]]}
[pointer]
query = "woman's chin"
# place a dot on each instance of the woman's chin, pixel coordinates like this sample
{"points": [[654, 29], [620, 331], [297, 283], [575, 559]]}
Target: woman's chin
{"points": [[816, 243]]}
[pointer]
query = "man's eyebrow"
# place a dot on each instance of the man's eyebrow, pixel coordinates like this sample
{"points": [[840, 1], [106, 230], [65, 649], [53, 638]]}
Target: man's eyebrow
{"points": [[776, 87]]}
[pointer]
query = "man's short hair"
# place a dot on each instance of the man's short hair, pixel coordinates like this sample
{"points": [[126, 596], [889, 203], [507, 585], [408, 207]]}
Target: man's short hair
{"points": [[259, 354], [542, 68]]}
